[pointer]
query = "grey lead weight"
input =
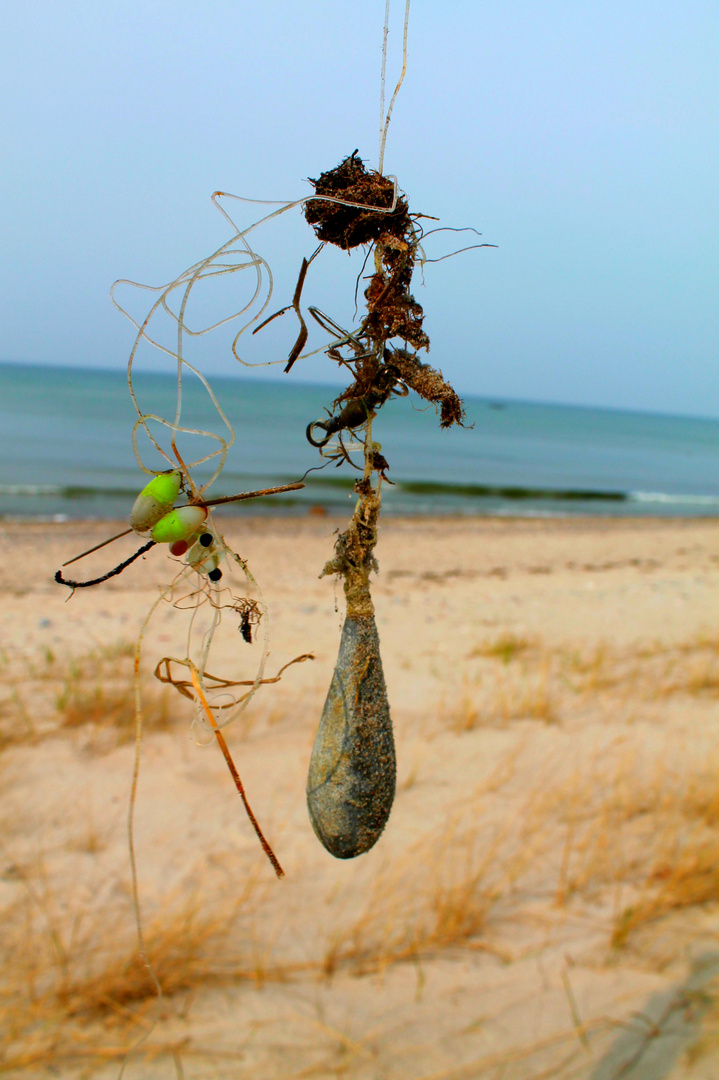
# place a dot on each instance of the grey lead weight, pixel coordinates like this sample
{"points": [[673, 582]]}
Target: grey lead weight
{"points": [[352, 774]]}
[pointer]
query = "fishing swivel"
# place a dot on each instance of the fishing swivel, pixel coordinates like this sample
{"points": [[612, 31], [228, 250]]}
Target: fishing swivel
{"points": [[358, 410]]}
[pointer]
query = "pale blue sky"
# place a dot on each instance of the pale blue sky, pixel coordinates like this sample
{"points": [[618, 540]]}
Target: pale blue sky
{"points": [[578, 136]]}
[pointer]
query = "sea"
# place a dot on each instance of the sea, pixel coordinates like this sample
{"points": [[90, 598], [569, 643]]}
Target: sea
{"points": [[66, 451]]}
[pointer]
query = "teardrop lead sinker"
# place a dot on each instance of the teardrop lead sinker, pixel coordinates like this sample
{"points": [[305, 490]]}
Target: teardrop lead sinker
{"points": [[352, 774]]}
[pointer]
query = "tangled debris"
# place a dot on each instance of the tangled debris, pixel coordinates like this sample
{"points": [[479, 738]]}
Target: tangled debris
{"points": [[392, 312], [351, 782], [349, 226], [380, 367], [430, 385]]}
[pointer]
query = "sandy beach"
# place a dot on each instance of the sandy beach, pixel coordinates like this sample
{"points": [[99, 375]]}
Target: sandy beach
{"points": [[543, 901]]}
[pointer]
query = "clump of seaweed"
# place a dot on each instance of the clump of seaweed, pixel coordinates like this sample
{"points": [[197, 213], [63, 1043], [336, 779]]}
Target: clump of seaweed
{"points": [[355, 220], [376, 213], [391, 310]]}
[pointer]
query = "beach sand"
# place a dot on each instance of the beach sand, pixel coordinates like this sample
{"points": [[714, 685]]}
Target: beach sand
{"points": [[543, 901]]}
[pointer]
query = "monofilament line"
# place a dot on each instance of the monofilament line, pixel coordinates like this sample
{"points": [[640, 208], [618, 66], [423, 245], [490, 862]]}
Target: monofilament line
{"points": [[382, 82], [384, 120]]}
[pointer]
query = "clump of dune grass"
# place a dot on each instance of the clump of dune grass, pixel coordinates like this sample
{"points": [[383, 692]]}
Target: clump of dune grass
{"points": [[67, 969], [502, 693], [688, 877], [506, 647], [647, 671], [649, 834], [41, 695], [529, 694], [109, 706], [515, 677], [98, 691], [24, 684]]}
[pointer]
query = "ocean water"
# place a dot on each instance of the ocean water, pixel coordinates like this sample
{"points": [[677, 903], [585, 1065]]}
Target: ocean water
{"points": [[66, 451]]}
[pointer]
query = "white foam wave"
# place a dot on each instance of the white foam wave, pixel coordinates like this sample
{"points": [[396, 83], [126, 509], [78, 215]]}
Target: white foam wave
{"points": [[30, 489], [681, 500]]}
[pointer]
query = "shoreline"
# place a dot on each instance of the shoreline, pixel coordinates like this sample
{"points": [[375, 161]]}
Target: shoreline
{"points": [[320, 515], [522, 503]]}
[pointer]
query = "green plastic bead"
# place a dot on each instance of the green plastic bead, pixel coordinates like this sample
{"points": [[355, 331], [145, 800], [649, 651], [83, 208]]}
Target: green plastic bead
{"points": [[155, 499], [165, 487], [179, 524]]}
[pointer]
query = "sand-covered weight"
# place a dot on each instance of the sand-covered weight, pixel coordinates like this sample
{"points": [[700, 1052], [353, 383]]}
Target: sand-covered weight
{"points": [[352, 773]]}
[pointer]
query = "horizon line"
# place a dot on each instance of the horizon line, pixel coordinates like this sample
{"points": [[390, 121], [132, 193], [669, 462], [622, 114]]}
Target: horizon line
{"points": [[500, 400]]}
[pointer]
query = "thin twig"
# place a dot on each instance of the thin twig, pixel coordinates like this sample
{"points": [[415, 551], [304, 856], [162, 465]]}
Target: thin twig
{"points": [[233, 771], [97, 547], [248, 495], [105, 577]]}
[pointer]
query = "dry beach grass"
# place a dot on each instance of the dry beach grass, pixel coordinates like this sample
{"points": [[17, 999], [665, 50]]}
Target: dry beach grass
{"points": [[544, 899]]}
